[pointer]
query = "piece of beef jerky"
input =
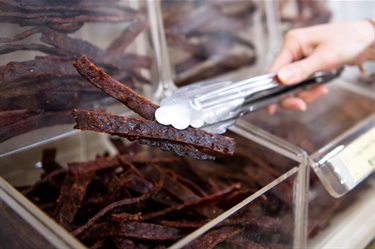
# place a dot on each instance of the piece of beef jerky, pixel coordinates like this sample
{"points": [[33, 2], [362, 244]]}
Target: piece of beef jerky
{"points": [[113, 88], [133, 230], [133, 128], [120, 43], [71, 195], [214, 237]]}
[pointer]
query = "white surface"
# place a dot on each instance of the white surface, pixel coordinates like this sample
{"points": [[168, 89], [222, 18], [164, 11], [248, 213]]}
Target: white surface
{"points": [[352, 228]]}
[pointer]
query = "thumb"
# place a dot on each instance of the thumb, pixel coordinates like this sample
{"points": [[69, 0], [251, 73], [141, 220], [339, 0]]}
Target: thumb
{"points": [[300, 70]]}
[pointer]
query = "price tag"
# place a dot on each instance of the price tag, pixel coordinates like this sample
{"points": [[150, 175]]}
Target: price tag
{"points": [[356, 160]]}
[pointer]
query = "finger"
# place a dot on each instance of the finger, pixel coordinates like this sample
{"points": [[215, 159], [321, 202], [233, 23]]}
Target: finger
{"points": [[271, 109], [296, 45], [294, 103], [300, 70], [313, 94]]}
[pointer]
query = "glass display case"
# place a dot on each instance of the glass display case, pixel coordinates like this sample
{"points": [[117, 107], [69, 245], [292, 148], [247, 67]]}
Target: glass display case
{"points": [[39, 86], [275, 192], [252, 197]]}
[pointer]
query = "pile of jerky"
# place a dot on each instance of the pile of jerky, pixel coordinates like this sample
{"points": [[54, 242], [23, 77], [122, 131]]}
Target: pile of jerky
{"points": [[38, 84], [144, 199]]}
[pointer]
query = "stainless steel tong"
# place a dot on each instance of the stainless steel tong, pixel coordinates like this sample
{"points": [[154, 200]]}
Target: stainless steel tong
{"points": [[215, 106]]}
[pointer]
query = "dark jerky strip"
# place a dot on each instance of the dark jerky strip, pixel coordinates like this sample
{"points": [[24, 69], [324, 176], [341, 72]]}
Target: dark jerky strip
{"points": [[184, 223], [46, 179], [64, 6], [34, 19], [133, 230], [214, 237], [71, 195], [21, 35], [92, 166], [207, 199], [123, 243], [241, 241], [98, 244], [189, 183], [145, 129], [74, 46], [15, 72], [113, 88], [49, 163], [178, 148], [126, 217], [112, 162], [196, 18], [179, 190], [27, 121], [119, 203], [109, 208], [211, 68], [120, 43]]}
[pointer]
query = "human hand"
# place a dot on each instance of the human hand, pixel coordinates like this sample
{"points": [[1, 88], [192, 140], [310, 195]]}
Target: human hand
{"points": [[319, 48]]}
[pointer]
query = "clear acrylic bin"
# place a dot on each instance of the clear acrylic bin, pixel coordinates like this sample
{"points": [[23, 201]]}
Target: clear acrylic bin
{"points": [[268, 209], [39, 86], [336, 129], [205, 40]]}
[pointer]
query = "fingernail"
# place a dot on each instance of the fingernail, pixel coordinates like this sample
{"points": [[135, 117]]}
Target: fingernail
{"points": [[286, 75]]}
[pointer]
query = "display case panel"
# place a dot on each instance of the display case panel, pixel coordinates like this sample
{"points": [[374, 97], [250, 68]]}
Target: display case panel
{"points": [[189, 194], [39, 86]]}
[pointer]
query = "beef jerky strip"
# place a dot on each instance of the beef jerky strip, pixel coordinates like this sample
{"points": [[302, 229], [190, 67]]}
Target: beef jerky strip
{"points": [[66, 27], [32, 122], [123, 243], [178, 148], [195, 19], [179, 190], [219, 196], [135, 128], [21, 35], [133, 230], [188, 182], [71, 196], [109, 208], [46, 179], [75, 46], [126, 217], [241, 241], [113, 88], [214, 237], [14, 73], [184, 223], [49, 163], [120, 43], [35, 19], [103, 163], [120, 203], [211, 68], [34, 88], [64, 6], [98, 244], [51, 100]]}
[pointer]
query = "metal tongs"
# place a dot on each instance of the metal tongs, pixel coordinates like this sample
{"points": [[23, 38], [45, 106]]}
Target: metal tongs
{"points": [[215, 106]]}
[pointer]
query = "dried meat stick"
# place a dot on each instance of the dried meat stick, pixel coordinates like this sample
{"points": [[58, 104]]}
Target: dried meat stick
{"points": [[71, 196], [139, 128], [115, 89], [214, 237], [133, 230]]}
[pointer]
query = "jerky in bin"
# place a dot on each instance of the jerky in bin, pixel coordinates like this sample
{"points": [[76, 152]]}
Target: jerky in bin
{"points": [[39, 85], [150, 200], [208, 38]]}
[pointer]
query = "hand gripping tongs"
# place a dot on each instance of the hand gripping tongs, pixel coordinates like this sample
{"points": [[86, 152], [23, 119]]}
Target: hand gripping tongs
{"points": [[215, 106]]}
